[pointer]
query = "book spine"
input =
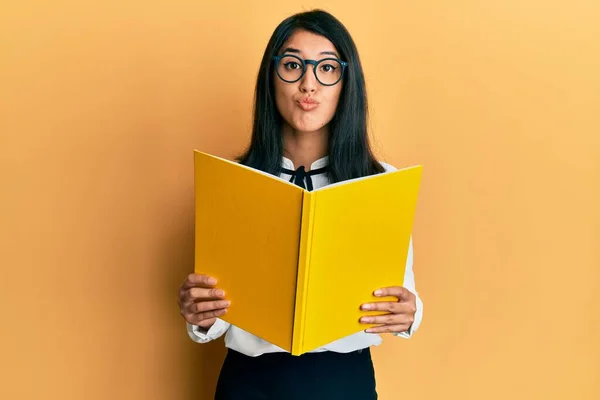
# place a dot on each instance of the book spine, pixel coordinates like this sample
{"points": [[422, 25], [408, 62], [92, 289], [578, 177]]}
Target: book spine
{"points": [[308, 212]]}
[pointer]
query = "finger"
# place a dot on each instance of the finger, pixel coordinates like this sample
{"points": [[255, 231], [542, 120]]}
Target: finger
{"points": [[204, 306], [198, 280], [388, 306], [387, 319], [199, 318], [195, 294], [400, 292], [389, 328], [207, 323], [394, 307]]}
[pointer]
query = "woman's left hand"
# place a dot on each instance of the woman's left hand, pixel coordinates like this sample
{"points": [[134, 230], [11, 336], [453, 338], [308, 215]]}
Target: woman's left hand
{"points": [[400, 313]]}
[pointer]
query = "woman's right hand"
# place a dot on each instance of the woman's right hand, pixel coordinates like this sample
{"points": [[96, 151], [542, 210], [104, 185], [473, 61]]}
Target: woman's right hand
{"points": [[200, 302]]}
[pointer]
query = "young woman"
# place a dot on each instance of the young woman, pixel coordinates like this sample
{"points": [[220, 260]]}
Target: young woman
{"points": [[310, 127]]}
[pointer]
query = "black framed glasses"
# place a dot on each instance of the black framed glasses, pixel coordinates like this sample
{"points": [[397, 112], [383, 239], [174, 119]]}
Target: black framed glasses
{"points": [[291, 68]]}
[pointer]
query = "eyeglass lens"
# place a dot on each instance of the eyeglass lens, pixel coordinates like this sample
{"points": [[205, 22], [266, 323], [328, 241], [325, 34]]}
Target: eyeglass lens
{"points": [[290, 69]]}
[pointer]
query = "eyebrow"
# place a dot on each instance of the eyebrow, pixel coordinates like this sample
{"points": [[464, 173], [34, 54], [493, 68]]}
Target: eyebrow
{"points": [[293, 50]]}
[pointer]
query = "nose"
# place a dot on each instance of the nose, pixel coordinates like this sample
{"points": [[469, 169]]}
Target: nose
{"points": [[308, 83]]}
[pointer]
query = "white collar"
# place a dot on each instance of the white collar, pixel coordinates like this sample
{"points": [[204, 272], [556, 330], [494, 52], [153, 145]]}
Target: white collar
{"points": [[320, 163]]}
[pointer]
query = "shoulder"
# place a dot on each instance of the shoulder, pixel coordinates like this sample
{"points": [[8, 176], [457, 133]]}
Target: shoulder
{"points": [[387, 167]]}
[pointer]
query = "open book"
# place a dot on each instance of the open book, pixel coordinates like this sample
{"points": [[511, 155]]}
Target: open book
{"points": [[296, 265]]}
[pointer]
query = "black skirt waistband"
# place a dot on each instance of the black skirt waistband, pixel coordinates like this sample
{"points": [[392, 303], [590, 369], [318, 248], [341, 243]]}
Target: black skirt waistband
{"points": [[281, 376]]}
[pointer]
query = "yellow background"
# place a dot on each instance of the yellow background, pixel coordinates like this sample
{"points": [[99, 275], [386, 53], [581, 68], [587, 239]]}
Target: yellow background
{"points": [[101, 104]]}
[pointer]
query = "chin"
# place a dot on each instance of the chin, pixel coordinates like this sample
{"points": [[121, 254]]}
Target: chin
{"points": [[308, 126]]}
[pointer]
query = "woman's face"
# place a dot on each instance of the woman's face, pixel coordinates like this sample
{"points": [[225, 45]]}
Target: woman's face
{"points": [[307, 105]]}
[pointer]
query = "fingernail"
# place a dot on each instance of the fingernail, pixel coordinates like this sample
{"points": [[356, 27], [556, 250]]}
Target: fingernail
{"points": [[366, 307], [378, 292], [220, 293], [369, 330], [212, 281], [365, 319], [225, 303]]}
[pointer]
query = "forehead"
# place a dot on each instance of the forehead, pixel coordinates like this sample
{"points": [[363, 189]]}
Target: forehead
{"points": [[309, 43]]}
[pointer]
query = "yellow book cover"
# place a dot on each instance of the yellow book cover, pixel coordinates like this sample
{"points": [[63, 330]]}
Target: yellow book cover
{"points": [[296, 265]]}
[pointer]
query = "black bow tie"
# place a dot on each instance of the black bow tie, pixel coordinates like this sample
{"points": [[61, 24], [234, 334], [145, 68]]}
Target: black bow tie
{"points": [[299, 175]]}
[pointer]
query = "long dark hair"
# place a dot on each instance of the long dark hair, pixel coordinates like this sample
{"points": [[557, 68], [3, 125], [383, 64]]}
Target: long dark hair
{"points": [[350, 155]]}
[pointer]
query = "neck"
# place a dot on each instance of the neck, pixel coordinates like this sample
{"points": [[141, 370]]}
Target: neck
{"points": [[304, 148]]}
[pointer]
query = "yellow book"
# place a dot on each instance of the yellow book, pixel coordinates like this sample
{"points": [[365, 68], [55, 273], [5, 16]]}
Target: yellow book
{"points": [[296, 265]]}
